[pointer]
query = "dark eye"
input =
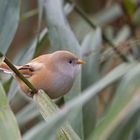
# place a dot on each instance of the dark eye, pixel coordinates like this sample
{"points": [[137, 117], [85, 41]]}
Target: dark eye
{"points": [[70, 61]]}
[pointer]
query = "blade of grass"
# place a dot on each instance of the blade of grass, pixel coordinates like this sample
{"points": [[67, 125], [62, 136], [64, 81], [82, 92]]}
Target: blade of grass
{"points": [[91, 43], [26, 114], [40, 16], [36, 133], [47, 108], [9, 17], [8, 125], [125, 105]]}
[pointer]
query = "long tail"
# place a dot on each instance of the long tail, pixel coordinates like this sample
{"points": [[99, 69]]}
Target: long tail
{"points": [[4, 67]]}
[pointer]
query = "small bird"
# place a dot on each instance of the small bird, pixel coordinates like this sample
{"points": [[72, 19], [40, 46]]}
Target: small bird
{"points": [[54, 73]]}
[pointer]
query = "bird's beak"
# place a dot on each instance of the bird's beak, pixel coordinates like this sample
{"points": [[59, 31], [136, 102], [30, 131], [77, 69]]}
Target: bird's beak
{"points": [[79, 61]]}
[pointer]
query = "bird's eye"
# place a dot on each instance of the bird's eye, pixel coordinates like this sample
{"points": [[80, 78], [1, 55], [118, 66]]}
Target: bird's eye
{"points": [[70, 61]]}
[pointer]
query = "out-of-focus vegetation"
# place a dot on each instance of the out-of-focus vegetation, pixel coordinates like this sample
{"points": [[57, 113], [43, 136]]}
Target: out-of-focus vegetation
{"points": [[104, 102]]}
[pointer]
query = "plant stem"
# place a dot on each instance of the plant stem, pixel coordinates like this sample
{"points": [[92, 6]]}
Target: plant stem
{"points": [[18, 74]]}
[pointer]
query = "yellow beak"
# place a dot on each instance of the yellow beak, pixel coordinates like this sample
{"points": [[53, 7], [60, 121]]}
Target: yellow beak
{"points": [[79, 61]]}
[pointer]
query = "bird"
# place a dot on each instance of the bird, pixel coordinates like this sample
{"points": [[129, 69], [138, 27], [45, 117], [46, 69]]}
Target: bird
{"points": [[54, 73]]}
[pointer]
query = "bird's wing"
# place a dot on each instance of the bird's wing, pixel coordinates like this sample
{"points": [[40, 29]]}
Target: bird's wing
{"points": [[29, 69], [35, 65], [26, 70]]}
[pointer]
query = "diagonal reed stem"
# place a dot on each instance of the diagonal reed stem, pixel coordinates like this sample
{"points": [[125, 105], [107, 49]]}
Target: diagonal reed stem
{"points": [[18, 74]]}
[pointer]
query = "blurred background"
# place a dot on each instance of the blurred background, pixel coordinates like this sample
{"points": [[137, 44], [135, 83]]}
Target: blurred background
{"points": [[119, 22], [113, 16]]}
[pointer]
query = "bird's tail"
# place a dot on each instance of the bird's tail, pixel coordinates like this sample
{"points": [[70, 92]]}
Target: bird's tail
{"points": [[26, 70], [4, 67]]}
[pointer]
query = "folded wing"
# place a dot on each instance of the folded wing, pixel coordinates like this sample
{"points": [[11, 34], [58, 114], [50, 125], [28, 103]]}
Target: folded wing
{"points": [[27, 70]]}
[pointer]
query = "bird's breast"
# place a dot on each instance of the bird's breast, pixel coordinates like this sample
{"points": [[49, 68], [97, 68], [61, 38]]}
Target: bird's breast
{"points": [[55, 84], [59, 85]]}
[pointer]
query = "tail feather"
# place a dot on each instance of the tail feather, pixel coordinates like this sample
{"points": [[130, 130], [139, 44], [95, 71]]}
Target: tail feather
{"points": [[4, 67], [26, 70]]}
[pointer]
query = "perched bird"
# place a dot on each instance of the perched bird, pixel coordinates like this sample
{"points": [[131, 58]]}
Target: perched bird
{"points": [[54, 73]]}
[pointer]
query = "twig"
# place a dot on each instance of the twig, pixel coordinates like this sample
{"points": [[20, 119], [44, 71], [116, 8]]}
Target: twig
{"points": [[18, 74], [94, 26]]}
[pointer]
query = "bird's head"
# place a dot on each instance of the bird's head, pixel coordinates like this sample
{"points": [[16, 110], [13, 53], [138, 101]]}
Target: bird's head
{"points": [[66, 62]]}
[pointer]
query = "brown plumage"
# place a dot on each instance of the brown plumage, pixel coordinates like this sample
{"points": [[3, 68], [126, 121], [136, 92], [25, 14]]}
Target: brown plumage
{"points": [[54, 73]]}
